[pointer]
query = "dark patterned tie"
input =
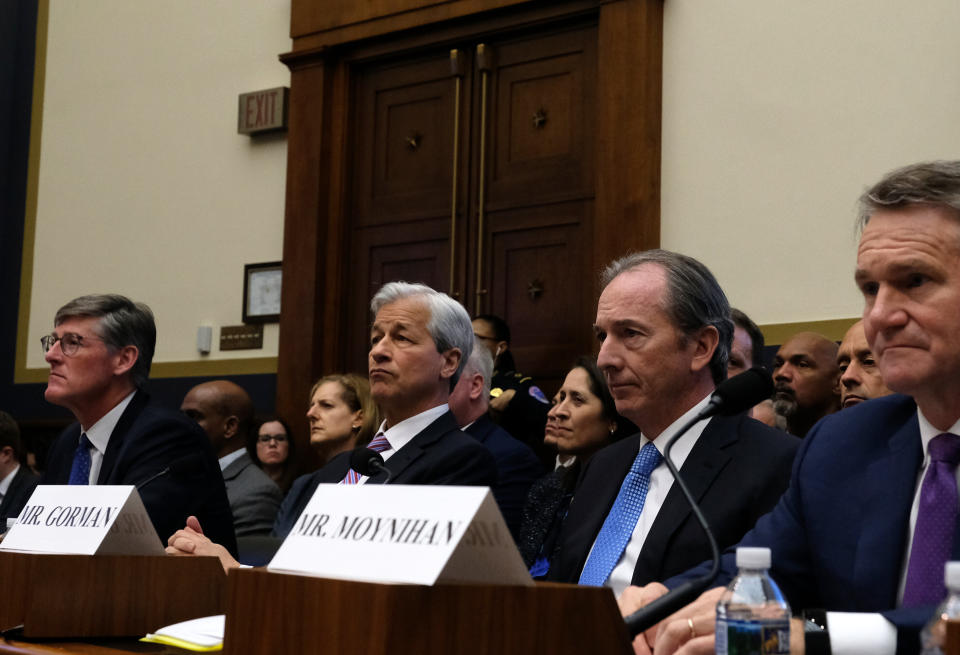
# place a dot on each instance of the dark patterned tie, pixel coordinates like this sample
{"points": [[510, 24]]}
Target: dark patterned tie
{"points": [[622, 519], [80, 471], [379, 444], [936, 521]]}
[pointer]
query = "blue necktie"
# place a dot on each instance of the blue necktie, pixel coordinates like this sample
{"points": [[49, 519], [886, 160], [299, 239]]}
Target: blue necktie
{"points": [[80, 471], [622, 518]]}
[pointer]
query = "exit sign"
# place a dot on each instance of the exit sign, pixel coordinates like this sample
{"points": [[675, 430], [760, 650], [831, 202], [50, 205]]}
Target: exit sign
{"points": [[263, 111]]}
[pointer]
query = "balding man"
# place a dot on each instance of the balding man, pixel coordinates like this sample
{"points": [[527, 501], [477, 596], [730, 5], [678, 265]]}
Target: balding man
{"points": [[225, 412], [860, 377], [805, 378]]}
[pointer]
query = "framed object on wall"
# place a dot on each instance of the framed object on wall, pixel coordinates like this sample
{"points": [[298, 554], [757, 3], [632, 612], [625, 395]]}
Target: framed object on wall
{"points": [[261, 292]]}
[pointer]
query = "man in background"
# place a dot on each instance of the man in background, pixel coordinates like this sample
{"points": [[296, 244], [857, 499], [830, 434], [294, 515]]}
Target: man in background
{"points": [[225, 412], [805, 379], [517, 465], [16, 480], [860, 377]]}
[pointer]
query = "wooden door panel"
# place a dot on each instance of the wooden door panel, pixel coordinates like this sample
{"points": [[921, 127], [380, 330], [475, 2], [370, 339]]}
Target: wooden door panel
{"points": [[539, 287], [541, 127], [404, 141], [414, 253]]}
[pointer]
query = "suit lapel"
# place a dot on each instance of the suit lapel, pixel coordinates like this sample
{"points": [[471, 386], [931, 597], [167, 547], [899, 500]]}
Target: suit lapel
{"points": [[137, 403], [700, 469], [410, 452], [886, 509]]}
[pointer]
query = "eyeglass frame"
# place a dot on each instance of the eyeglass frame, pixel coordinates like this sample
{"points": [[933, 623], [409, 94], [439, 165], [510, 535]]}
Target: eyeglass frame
{"points": [[73, 348]]}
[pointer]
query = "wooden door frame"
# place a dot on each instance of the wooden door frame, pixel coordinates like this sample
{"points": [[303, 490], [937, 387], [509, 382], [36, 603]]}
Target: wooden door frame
{"points": [[316, 273]]}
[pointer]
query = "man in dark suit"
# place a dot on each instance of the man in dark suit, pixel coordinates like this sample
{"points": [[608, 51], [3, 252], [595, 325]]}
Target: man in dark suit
{"points": [[16, 480], [419, 343], [517, 465], [99, 355], [665, 333], [872, 511], [225, 412]]}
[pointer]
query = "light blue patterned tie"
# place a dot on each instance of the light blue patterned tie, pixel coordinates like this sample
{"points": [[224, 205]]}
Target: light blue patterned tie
{"points": [[80, 471], [622, 518]]}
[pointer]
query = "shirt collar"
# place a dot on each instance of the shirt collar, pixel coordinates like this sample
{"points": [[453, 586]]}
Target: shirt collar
{"points": [[680, 450], [400, 434], [99, 433], [5, 484], [928, 432], [230, 458]]}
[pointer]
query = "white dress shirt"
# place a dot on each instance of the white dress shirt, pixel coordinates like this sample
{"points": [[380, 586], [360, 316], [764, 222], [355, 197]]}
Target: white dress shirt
{"points": [[5, 484], [660, 482], [230, 458], [856, 633], [99, 435], [403, 432]]}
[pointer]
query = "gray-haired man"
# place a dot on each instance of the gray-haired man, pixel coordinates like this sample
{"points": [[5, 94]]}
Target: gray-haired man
{"points": [[665, 331]]}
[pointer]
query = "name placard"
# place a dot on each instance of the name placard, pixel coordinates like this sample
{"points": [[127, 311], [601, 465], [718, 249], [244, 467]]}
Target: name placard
{"points": [[84, 520], [402, 534]]}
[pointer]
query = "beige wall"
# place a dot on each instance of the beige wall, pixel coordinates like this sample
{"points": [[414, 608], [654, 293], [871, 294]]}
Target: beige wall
{"points": [[776, 115], [145, 188]]}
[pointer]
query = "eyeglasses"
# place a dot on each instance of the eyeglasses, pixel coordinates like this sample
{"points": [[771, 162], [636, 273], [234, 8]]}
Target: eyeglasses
{"points": [[70, 342], [267, 438]]}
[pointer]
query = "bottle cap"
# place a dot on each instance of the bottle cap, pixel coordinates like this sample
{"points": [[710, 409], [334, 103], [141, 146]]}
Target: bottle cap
{"points": [[753, 558], [952, 575]]}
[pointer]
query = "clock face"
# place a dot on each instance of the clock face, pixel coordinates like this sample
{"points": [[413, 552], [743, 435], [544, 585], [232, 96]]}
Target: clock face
{"points": [[263, 298]]}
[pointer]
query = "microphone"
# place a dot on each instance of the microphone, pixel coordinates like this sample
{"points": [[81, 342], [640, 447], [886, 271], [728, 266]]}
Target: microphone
{"points": [[368, 462], [189, 465], [731, 397]]}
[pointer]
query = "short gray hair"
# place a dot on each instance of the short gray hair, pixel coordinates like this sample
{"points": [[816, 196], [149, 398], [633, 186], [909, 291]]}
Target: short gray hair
{"points": [[694, 298], [935, 183], [123, 322], [480, 361], [449, 325]]}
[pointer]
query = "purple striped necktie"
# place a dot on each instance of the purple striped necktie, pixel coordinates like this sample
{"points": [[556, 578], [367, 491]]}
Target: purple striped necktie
{"points": [[936, 522], [379, 444]]}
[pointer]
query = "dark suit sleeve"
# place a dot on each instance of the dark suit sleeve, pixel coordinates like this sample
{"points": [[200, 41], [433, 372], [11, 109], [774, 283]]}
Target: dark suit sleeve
{"points": [[516, 472], [193, 485]]}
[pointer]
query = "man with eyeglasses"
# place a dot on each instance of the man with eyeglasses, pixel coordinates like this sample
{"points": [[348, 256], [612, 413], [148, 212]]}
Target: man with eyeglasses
{"points": [[99, 355], [225, 412]]}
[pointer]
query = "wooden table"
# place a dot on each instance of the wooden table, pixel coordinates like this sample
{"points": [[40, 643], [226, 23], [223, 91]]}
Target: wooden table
{"points": [[85, 647]]}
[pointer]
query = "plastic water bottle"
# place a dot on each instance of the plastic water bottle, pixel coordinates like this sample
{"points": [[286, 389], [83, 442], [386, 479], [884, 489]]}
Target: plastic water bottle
{"points": [[933, 638], [753, 618]]}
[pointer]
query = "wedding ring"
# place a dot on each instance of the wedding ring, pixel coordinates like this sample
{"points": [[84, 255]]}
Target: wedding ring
{"points": [[693, 633]]}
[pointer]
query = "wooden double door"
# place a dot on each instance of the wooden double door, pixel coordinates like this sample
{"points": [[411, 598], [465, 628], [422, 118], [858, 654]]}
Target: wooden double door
{"points": [[473, 172], [401, 166]]}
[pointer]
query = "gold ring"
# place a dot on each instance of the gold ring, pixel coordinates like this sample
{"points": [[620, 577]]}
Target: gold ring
{"points": [[693, 633]]}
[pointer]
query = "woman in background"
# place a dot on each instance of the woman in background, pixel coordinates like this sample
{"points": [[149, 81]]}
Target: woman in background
{"points": [[582, 420], [274, 450]]}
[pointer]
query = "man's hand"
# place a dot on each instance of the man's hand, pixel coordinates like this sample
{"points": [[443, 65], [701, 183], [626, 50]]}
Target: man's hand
{"points": [[692, 630], [191, 541], [632, 599]]}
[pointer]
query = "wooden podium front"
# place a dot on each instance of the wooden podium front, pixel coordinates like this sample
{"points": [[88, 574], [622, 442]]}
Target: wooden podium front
{"points": [[271, 613], [62, 596]]}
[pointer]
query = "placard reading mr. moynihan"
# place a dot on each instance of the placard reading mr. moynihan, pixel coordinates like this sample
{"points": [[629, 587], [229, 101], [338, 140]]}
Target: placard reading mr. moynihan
{"points": [[402, 534], [84, 520]]}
